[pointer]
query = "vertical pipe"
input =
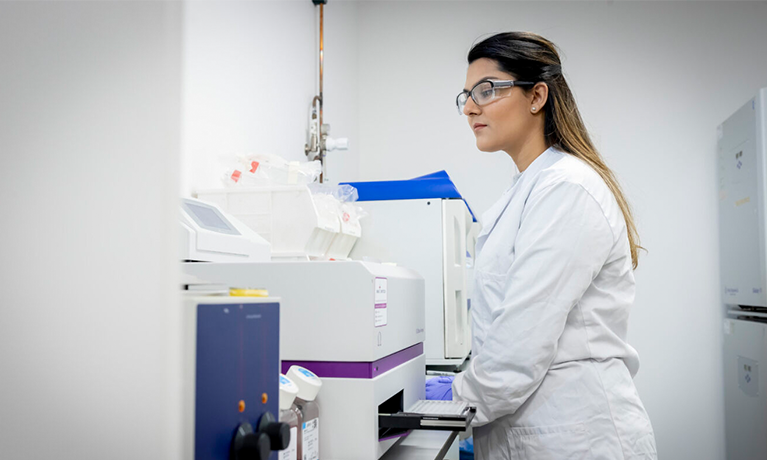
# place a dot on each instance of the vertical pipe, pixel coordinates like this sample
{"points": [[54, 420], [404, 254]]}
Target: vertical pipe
{"points": [[322, 52], [322, 62]]}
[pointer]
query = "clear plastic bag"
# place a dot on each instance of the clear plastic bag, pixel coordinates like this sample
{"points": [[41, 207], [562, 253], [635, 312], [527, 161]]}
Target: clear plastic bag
{"points": [[338, 202], [352, 213], [344, 193], [327, 205], [343, 196], [268, 169]]}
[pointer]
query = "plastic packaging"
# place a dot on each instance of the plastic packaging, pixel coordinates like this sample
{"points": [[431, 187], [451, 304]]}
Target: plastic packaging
{"points": [[308, 387], [338, 200], [301, 221], [344, 193], [267, 169], [290, 415], [284, 215]]}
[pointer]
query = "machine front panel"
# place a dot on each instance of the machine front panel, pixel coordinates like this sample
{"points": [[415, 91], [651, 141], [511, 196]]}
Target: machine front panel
{"points": [[741, 243], [745, 401], [236, 373]]}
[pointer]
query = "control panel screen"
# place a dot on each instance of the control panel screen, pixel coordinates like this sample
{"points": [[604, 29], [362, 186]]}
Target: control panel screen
{"points": [[209, 218]]}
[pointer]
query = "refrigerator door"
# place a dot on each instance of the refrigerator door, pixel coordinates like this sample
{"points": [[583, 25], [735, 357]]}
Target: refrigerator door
{"points": [[745, 394]]}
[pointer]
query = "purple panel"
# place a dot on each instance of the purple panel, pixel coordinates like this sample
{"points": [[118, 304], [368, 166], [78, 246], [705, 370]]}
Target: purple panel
{"points": [[338, 369], [390, 362], [357, 370]]}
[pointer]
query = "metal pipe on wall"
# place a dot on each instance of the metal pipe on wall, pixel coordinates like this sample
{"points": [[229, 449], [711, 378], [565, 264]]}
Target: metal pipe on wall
{"points": [[318, 143], [322, 52], [322, 135]]}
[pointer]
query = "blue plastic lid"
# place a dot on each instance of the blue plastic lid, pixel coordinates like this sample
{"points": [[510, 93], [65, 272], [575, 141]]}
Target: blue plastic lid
{"points": [[435, 185]]}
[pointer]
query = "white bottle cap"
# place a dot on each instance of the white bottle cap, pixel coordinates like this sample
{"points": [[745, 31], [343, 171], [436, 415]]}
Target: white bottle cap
{"points": [[288, 392], [308, 383]]}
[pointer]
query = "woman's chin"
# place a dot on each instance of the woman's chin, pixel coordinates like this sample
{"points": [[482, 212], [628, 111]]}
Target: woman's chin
{"points": [[486, 147]]}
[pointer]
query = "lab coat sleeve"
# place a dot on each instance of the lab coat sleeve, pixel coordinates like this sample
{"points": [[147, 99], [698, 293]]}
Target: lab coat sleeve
{"points": [[563, 241]]}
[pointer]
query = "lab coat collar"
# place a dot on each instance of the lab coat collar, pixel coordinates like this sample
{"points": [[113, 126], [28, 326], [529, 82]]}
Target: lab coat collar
{"points": [[549, 156]]}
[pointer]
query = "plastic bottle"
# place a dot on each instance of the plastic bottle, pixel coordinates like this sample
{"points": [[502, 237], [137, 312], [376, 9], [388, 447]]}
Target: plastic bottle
{"points": [[308, 387], [290, 415]]}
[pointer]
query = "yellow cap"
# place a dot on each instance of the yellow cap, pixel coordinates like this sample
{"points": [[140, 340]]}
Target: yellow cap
{"points": [[248, 292]]}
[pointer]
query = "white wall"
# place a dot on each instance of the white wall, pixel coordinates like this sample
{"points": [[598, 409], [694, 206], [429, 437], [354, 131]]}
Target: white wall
{"points": [[250, 72], [653, 80], [89, 145]]}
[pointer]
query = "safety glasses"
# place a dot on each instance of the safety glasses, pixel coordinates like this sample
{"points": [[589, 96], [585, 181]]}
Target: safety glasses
{"points": [[487, 91]]}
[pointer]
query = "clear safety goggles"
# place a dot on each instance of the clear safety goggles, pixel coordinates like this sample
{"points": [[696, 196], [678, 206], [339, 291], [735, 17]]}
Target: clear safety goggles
{"points": [[487, 91]]}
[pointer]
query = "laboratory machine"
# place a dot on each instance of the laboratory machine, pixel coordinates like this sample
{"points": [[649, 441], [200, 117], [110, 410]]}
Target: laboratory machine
{"points": [[230, 372], [426, 225], [359, 326], [209, 234], [742, 158], [745, 386]]}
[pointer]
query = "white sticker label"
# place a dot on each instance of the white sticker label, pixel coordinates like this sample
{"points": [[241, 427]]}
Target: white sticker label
{"points": [[291, 453], [381, 317], [381, 299], [748, 376], [311, 439], [381, 294]]}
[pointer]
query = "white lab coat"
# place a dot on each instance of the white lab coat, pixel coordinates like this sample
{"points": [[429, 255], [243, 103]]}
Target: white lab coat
{"points": [[551, 373]]}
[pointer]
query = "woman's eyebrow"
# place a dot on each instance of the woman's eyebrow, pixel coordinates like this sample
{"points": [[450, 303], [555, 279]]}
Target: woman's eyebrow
{"points": [[490, 77]]}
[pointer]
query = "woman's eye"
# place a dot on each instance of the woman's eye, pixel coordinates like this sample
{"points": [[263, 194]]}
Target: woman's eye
{"points": [[487, 93]]}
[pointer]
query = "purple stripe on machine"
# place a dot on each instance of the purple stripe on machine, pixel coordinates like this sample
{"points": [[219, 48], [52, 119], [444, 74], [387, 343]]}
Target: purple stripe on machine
{"points": [[357, 370]]}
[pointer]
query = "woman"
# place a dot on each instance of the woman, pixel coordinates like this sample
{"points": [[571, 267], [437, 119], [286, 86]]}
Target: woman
{"points": [[551, 373]]}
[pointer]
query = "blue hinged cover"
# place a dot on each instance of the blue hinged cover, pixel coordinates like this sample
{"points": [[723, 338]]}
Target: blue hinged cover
{"points": [[435, 185]]}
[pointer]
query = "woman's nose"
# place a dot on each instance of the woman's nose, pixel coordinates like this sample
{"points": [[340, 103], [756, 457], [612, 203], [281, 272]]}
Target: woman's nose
{"points": [[470, 108]]}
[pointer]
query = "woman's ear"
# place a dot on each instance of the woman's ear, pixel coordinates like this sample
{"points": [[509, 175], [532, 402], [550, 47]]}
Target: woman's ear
{"points": [[540, 93]]}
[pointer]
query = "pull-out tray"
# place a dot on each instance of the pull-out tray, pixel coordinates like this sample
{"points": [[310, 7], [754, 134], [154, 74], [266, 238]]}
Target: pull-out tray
{"points": [[430, 415]]}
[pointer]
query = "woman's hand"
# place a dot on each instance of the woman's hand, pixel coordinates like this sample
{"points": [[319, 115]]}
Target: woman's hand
{"points": [[440, 388]]}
